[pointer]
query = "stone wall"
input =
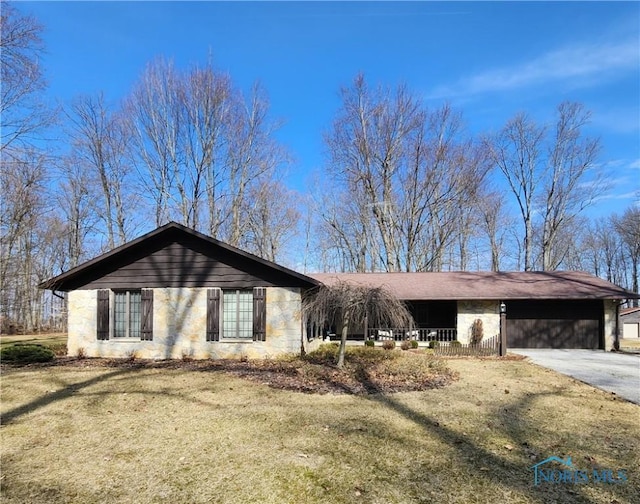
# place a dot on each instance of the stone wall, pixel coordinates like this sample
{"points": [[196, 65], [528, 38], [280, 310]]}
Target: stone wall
{"points": [[610, 314], [179, 327], [469, 311]]}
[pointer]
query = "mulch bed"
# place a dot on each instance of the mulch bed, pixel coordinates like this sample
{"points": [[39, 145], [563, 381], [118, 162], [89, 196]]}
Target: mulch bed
{"points": [[295, 375]]}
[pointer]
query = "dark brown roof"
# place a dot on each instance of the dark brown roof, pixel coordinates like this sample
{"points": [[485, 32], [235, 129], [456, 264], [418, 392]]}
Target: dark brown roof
{"points": [[486, 285], [164, 236]]}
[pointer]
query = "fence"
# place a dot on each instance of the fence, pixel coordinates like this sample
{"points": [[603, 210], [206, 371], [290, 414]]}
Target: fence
{"points": [[487, 347]]}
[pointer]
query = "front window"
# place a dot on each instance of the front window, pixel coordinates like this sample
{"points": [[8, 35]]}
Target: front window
{"points": [[127, 314], [237, 318]]}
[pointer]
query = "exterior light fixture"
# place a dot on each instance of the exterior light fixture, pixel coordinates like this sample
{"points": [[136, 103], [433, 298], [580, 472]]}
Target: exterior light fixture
{"points": [[503, 307]]}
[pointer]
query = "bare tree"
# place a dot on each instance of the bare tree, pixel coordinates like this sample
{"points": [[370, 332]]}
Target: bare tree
{"points": [[23, 185], [79, 213], [207, 97], [628, 228], [549, 167], [154, 115], [253, 157], [273, 220], [567, 191], [100, 145], [203, 150], [495, 223], [515, 151], [349, 305], [409, 176], [22, 109]]}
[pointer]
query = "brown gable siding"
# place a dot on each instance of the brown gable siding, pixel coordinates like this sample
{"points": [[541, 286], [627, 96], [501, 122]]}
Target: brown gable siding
{"points": [[182, 265], [175, 256]]}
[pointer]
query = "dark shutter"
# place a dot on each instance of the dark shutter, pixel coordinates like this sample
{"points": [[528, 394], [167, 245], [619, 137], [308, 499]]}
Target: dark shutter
{"points": [[213, 314], [103, 314], [146, 329], [259, 313]]}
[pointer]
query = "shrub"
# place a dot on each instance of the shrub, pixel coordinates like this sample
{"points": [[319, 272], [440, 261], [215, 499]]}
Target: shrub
{"points": [[369, 343], [388, 344], [26, 353], [59, 349], [477, 332], [434, 344], [456, 344], [414, 344], [405, 345], [325, 353]]}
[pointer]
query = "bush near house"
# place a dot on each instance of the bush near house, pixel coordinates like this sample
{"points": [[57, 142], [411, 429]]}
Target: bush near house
{"points": [[25, 354], [388, 344]]}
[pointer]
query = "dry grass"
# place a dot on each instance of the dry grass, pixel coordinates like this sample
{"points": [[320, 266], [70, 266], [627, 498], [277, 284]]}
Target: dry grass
{"points": [[631, 344], [176, 435], [56, 341]]}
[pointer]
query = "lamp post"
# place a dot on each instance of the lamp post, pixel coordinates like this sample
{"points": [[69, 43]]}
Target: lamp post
{"points": [[503, 329]]}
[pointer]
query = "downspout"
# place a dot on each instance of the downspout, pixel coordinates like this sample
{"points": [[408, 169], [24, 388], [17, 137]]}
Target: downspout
{"points": [[302, 331]]}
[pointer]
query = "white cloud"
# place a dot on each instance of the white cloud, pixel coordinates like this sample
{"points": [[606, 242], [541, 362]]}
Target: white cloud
{"points": [[578, 65]]}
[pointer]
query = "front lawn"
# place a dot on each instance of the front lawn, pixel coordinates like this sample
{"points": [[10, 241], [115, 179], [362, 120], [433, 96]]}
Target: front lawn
{"points": [[56, 341], [196, 433]]}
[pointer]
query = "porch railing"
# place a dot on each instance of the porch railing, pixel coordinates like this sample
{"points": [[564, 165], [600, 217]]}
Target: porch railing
{"points": [[407, 333]]}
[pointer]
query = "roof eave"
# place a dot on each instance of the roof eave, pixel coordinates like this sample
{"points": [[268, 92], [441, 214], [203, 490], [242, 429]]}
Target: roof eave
{"points": [[58, 282]]}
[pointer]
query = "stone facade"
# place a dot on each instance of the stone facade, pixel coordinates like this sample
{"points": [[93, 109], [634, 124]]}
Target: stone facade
{"points": [[610, 315], [469, 311], [179, 328]]}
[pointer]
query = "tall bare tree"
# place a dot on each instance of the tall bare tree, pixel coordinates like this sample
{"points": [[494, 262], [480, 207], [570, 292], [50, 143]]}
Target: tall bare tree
{"points": [[154, 114], [23, 164], [22, 107], [79, 210], [252, 157], [100, 145], [548, 171], [409, 176], [23, 186], [515, 151], [567, 191], [273, 220], [628, 228]]}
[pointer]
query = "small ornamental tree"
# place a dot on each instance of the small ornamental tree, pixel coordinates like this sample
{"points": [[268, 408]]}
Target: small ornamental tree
{"points": [[349, 305], [477, 332]]}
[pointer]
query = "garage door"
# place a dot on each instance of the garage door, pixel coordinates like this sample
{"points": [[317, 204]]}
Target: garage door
{"points": [[555, 324]]}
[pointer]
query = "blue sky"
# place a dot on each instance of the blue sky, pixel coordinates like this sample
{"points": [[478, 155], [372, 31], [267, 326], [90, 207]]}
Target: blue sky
{"points": [[488, 59]]}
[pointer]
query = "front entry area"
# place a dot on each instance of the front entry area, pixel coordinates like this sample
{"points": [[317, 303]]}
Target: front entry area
{"points": [[555, 324]]}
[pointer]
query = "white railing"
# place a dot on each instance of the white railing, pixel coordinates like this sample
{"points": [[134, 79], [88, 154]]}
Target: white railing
{"points": [[407, 333]]}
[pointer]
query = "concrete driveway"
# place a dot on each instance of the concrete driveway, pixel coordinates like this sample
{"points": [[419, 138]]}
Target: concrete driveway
{"points": [[610, 371]]}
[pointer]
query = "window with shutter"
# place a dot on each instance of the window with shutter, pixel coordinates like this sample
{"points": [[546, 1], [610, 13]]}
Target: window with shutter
{"points": [[237, 314], [125, 314]]}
